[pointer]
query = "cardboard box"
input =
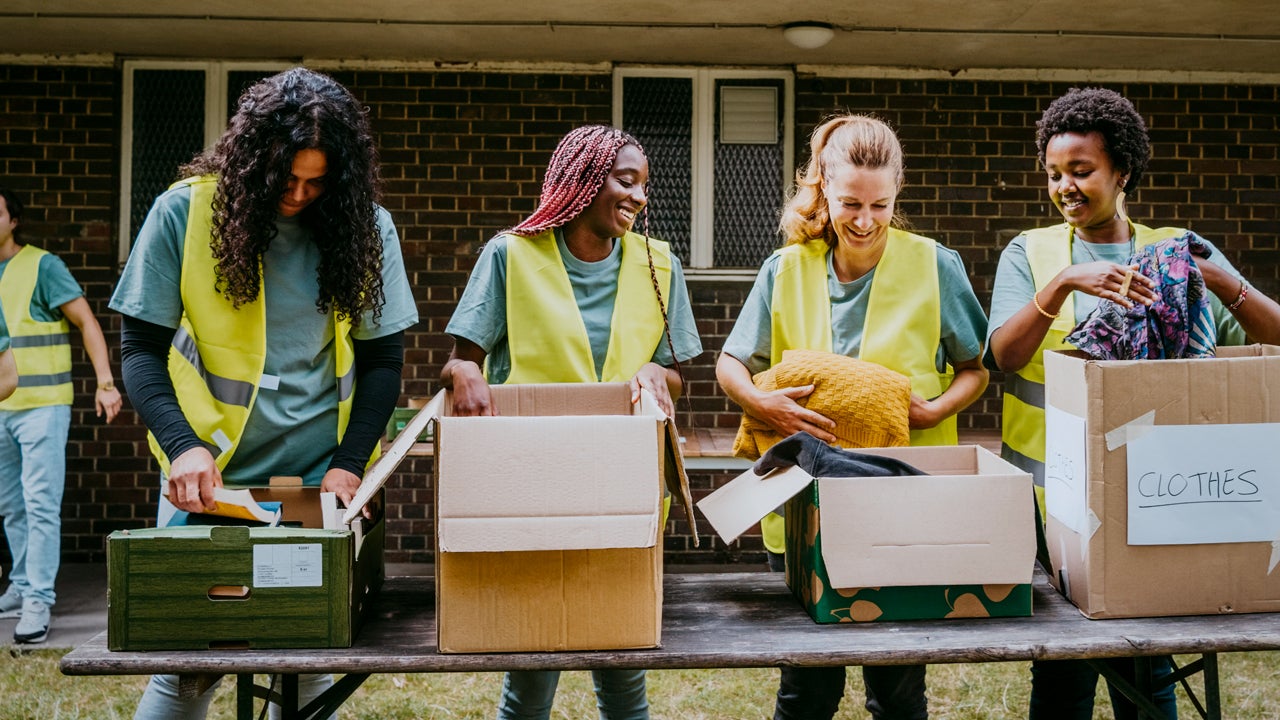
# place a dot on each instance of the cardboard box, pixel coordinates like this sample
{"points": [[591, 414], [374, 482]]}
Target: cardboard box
{"points": [[1163, 483], [549, 520], [956, 542], [299, 585]]}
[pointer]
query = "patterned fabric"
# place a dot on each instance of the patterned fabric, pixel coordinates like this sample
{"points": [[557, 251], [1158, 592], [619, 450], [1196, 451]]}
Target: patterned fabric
{"points": [[868, 402], [1178, 325]]}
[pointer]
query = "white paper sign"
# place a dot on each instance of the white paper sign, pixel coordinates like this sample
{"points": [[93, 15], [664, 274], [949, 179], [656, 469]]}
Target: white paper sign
{"points": [[1066, 469], [1191, 484], [281, 565]]}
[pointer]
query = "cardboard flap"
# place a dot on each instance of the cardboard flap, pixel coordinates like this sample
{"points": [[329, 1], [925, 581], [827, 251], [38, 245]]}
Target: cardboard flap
{"points": [[739, 504], [677, 480], [376, 476], [491, 499], [927, 530]]}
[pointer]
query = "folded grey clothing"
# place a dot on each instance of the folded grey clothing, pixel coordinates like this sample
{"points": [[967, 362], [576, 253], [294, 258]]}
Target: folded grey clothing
{"points": [[822, 460]]}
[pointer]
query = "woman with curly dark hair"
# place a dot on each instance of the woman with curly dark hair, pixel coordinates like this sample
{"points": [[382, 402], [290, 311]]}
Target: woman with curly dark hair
{"points": [[1094, 148], [265, 303]]}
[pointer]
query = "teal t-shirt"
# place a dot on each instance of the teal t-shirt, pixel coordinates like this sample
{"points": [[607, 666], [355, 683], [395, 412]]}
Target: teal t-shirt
{"points": [[481, 316], [292, 427], [963, 323], [1014, 287], [4, 331], [55, 287]]}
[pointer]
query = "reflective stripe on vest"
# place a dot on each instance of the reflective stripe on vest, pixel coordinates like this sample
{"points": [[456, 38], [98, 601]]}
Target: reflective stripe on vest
{"points": [[902, 330], [545, 331], [216, 371], [1022, 430], [41, 350]]}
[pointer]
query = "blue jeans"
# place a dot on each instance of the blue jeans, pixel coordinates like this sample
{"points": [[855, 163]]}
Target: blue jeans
{"points": [[1064, 689], [161, 701], [33, 464], [528, 694]]}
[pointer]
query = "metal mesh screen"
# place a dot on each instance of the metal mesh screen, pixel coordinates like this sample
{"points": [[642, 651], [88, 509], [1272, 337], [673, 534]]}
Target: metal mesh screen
{"points": [[659, 112], [238, 81], [168, 130], [748, 193]]}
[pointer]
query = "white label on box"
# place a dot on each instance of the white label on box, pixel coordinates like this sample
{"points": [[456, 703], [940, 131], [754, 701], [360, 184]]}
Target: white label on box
{"points": [[1192, 484], [1066, 469], [279, 565]]}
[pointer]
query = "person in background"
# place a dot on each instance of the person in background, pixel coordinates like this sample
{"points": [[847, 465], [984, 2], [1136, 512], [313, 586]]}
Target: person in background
{"points": [[41, 300], [264, 307], [572, 295], [1094, 148], [8, 368], [850, 281]]}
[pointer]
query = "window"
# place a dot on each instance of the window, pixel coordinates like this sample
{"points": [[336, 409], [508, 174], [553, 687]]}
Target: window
{"points": [[720, 158], [171, 110]]}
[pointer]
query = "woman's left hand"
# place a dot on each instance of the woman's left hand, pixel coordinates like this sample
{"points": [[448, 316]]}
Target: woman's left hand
{"points": [[653, 377], [923, 414]]}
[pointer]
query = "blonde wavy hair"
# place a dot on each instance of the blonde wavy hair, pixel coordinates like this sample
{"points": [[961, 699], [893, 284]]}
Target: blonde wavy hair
{"points": [[862, 141]]}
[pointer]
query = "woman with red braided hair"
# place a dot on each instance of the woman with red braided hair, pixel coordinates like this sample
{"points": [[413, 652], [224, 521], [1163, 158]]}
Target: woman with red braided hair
{"points": [[572, 295]]}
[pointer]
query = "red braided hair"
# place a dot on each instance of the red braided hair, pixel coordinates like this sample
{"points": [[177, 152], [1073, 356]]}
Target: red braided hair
{"points": [[577, 171]]}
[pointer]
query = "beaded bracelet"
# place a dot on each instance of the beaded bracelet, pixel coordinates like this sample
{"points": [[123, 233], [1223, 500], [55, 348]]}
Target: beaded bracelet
{"points": [[1036, 301], [1244, 293]]}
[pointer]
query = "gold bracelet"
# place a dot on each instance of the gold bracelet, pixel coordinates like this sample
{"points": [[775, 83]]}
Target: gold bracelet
{"points": [[1036, 301], [108, 386], [1244, 293]]}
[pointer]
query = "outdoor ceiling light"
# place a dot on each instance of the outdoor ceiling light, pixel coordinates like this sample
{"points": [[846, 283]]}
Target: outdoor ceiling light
{"points": [[808, 35]]}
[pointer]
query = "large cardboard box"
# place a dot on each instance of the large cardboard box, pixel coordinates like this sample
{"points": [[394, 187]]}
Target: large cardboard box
{"points": [[549, 520], [298, 585], [1163, 483], [956, 542]]}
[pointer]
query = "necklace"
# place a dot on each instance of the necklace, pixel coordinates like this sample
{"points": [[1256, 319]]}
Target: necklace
{"points": [[1088, 249]]}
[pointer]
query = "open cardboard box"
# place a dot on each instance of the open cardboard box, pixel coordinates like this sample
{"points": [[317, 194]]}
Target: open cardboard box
{"points": [[956, 542], [549, 519], [1163, 482], [298, 585]]}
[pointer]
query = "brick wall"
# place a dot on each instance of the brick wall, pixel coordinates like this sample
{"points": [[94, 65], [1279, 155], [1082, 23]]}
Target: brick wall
{"points": [[462, 157]]}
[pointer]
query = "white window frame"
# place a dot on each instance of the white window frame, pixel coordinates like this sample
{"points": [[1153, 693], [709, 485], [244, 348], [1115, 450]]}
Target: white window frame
{"points": [[702, 154], [215, 118]]}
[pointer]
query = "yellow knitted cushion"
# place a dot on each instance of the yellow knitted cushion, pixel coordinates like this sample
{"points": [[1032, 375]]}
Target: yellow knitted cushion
{"points": [[868, 402]]}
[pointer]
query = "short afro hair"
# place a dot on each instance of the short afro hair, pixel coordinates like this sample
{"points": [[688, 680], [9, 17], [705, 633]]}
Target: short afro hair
{"points": [[1085, 110]]}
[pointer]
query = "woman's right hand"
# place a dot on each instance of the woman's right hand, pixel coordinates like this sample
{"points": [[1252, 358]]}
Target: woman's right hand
{"points": [[192, 477], [780, 410]]}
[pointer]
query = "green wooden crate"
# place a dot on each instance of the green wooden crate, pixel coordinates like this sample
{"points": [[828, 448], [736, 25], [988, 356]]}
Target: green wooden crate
{"points": [[290, 587]]}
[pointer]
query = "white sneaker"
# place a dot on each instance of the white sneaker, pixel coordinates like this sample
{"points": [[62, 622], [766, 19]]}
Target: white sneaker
{"points": [[10, 603], [34, 625]]}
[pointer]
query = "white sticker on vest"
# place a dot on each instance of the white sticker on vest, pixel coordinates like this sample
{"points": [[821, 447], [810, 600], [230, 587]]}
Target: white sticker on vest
{"points": [[280, 565], [269, 382], [221, 440]]}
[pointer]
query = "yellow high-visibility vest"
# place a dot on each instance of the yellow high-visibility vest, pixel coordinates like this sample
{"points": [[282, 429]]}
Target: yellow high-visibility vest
{"points": [[545, 331], [1022, 428], [41, 350], [902, 329], [218, 354]]}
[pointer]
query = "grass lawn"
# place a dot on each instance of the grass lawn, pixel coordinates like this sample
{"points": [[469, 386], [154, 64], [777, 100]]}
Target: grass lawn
{"points": [[32, 687]]}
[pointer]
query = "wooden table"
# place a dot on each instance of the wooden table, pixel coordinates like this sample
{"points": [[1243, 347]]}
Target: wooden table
{"points": [[711, 620]]}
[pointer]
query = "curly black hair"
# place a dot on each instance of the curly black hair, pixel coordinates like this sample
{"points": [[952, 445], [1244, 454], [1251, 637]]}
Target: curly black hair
{"points": [[298, 109], [1085, 110], [14, 206]]}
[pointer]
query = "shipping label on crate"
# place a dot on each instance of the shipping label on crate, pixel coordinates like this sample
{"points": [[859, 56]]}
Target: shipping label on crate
{"points": [[286, 565], [1195, 484]]}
